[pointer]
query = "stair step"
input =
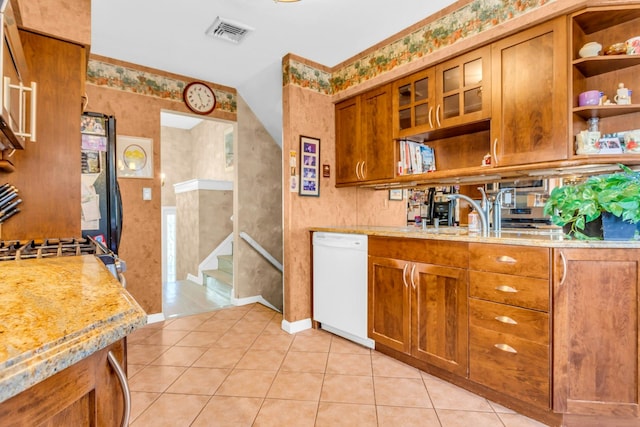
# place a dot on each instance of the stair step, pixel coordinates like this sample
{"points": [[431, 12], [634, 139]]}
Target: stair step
{"points": [[225, 263], [219, 275]]}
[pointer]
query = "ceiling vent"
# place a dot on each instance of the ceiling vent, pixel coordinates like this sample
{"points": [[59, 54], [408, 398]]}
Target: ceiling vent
{"points": [[229, 30]]}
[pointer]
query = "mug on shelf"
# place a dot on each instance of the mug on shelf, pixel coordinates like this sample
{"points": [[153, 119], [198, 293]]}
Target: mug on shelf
{"points": [[590, 97]]}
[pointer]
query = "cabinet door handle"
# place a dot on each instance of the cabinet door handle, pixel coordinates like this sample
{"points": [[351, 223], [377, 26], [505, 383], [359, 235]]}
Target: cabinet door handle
{"points": [[404, 275], [122, 378], [564, 268], [508, 289], [438, 115], [495, 151], [357, 176], [506, 319], [430, 120], [363, 171], [505, 347], [413, 283], [506, 259]]}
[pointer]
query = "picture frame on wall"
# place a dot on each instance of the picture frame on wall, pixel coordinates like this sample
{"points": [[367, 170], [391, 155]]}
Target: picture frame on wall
{"points": [[395, 194], [309, 166], [134, 157]]}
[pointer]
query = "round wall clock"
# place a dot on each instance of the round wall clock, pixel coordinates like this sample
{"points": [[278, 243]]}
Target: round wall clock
{"points": [[199, 98]]}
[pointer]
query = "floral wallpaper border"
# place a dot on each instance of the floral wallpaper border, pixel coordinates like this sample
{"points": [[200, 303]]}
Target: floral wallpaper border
{"points": [[469, 20], [128, 79]]}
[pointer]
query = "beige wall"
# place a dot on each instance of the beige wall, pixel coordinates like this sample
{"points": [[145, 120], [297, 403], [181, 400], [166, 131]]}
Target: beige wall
{"points": [[311, 114], [196, 153], [258, 209], [139, 115], [202, 223]]}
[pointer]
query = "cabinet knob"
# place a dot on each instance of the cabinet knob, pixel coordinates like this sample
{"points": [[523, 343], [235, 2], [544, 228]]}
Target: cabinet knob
{"points": [[506, 348]]}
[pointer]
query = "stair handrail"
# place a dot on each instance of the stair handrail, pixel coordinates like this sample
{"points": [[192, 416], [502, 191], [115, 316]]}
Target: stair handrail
{"points": [[262, 251]]}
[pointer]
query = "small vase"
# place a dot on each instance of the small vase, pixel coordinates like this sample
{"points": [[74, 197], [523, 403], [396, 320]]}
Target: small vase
{"points": [[614, 228]]}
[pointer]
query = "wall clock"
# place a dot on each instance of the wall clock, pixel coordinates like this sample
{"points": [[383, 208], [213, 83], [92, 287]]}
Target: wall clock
{"points": [[199, 98]]}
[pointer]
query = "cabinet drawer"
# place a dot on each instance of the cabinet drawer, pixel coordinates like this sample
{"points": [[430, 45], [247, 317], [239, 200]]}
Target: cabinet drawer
{"points": [[520, 260], [523, 374], [439, 252], [509, 289], [510, 321]]}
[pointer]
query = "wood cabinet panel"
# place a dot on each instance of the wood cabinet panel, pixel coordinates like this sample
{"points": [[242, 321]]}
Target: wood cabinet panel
{"points": [[348, 152], [389, 302], [439, 316], [596, 324], [86, 393], [509, 289], [48, 171], [528, 261], [364, 145], [522, 372], [418, 308], [527, 324], [529, 119]]}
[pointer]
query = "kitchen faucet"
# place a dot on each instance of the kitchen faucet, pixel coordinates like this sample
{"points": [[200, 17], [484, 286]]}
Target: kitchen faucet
{"points": [[484, 220]]}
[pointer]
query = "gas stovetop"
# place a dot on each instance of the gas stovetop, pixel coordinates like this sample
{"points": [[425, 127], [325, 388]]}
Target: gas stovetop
{"points": [[45, 248]]}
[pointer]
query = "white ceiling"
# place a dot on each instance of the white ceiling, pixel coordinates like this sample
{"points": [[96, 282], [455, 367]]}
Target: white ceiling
{"points": [[170, 36]]}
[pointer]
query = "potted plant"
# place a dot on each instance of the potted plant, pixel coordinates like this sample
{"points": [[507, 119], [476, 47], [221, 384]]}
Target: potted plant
{"points": [[612, 198]]}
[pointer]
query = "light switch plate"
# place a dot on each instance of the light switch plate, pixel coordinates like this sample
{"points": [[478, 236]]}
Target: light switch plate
{"points": [[146, 193]]}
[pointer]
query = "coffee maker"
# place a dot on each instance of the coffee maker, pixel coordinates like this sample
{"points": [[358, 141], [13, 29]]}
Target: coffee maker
{"points": [[432, 205], [444, 212]]}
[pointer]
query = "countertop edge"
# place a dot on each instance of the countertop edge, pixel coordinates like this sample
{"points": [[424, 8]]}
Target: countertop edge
{"points": [[40, 366], [548, 241]]}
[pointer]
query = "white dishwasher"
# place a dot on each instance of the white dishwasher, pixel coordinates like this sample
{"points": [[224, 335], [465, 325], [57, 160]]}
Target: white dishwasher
{"points": [[340, 285]]}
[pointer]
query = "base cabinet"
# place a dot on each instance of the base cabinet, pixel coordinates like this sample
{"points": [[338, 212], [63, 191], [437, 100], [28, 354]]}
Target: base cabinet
{"points": [[419, 307], [595, 336], [87, 393]]}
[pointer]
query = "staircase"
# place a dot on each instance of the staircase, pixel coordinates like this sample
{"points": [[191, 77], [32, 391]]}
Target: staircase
{"points": [[220, 280]]}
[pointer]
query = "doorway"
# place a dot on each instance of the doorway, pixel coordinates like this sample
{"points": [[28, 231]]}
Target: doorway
{"points": [[193, 152]]}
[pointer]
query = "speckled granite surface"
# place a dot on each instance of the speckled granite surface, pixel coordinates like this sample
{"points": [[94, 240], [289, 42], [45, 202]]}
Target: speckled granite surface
{"points": [[544, 238], [55, 312]]}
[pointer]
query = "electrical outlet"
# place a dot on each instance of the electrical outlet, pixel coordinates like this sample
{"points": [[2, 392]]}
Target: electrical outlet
{"points": [[508, 200], [146, 193]]}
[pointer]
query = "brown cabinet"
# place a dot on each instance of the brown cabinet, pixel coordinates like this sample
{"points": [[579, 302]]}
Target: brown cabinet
{"points": [[451, 94], [58, 68], [509, 344], [364, 147], [86, 393], [418, 300], [529, 105], [595, 336]]}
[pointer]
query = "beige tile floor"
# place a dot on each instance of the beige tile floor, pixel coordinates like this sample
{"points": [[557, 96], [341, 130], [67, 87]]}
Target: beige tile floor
{"points": [[237, 367]]}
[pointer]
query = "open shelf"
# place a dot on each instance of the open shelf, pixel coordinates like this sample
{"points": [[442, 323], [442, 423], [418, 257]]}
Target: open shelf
{"points": [[596, 65]]}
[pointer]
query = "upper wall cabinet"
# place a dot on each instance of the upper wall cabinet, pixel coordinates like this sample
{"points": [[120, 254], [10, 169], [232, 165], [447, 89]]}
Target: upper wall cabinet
{"points": [[364, 147], [451, 94], [529, 112]]}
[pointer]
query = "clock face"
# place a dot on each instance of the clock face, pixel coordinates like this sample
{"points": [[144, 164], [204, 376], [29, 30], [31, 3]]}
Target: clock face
{"points": [[199, 98]]}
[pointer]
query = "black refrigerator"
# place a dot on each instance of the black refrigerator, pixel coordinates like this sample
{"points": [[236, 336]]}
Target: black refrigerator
{"points": [[100, 199]]}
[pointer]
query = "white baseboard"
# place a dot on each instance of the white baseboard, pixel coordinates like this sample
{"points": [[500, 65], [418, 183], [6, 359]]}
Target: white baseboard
{"points": [[155, 318], [251, 300], [195, 279], [293, 327]]}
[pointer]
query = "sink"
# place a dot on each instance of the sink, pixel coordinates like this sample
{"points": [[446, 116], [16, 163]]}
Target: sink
{"points": [[457, 231], [532, 231]]}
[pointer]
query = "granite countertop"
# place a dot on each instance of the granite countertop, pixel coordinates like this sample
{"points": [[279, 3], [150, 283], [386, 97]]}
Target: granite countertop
{"points": [[56, 312], [524, 237]]}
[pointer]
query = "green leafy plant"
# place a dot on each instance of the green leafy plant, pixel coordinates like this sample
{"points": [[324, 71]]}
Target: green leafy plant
{"points": [[577, 204]]}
